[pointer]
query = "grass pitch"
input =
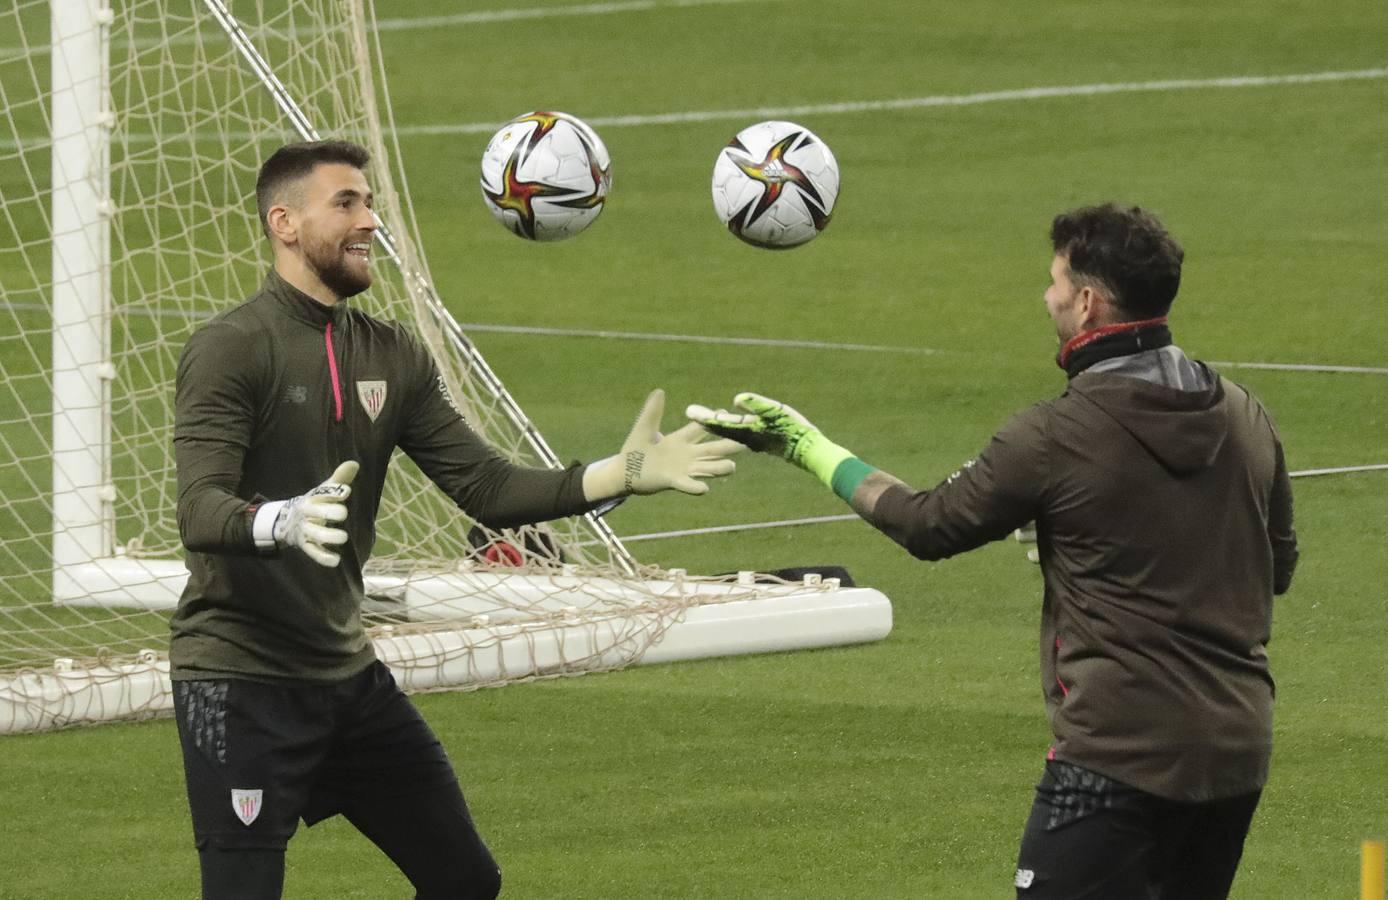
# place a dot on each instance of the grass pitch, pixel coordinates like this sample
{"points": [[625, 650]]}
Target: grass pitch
{"points": [[902, 768]]}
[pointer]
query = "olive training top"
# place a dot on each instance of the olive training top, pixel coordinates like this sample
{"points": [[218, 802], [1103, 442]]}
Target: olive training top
{"points": [[271, 396]]}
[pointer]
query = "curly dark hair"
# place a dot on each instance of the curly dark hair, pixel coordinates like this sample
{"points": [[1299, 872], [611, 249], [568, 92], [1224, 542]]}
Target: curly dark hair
{"points": [[1126, 252], [288, 165]]}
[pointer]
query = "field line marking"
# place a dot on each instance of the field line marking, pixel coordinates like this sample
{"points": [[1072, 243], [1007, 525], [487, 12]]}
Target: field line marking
{"points": [[419, 23], [940, 100], [849, 517], [749, 526], [874, 348], [792, 343], [1339, 470], [548, 12], [1303, 367], [695, 339], [10, 144]]}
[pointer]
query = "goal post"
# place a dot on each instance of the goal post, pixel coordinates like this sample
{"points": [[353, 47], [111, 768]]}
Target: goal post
{"points": [[131, 132], [83, 513]]}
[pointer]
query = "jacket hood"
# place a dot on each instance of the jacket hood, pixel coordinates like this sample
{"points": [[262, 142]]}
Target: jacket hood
{"points": [[1183, 429]]}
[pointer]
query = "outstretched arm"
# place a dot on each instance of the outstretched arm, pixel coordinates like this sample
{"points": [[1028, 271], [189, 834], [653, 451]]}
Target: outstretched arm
{"points": [[501, 494], [985, 500]]}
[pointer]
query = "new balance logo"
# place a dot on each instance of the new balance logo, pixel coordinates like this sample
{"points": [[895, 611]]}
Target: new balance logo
{"points": [[295, 393]]}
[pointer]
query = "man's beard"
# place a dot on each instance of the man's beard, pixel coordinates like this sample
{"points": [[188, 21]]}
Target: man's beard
{"points": [[329, 264]]}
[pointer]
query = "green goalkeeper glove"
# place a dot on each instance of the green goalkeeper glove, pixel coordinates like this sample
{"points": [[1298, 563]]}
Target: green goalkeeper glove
{"points": [[650, 462], [302, 521], [770, 426]]}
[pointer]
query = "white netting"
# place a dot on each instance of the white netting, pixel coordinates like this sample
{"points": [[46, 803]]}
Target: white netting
{"points": [[89, 551]]}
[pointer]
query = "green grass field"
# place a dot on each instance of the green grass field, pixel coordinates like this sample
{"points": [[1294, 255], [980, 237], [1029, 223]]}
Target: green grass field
{"points": [[901, 769]]}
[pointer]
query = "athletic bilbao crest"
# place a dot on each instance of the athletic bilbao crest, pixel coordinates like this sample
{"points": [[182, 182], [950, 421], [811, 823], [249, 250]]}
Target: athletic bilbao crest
{"points": [[372, 395], [246, 804]]}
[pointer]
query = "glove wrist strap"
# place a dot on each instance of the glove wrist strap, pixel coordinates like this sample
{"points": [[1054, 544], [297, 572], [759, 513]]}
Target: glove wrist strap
{"points": [[263, 525], [604, 479], [848, 475]]}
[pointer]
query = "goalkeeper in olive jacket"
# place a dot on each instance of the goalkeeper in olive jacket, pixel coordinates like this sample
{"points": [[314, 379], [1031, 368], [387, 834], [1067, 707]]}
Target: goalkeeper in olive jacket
{"points": [[1164, 519], [288, 409]]}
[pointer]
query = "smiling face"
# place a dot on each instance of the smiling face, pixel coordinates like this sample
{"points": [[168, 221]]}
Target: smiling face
{"points": [[323, 232]]}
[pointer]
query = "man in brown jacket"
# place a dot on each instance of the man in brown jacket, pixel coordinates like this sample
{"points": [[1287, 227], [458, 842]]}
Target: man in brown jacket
{"points": [[1164, 522]]}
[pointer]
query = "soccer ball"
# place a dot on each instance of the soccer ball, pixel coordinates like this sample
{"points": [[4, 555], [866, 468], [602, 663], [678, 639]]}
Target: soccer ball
{"points": [[775, 184], [545, 176]]}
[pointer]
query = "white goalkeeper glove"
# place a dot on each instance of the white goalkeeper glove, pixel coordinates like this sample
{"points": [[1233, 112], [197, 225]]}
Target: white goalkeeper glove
{"points": [[302, 521], [650, 462]]}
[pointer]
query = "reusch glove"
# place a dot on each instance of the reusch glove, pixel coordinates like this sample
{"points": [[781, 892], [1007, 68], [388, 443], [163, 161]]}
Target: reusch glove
{"points": [[770, 426], [302, 521], [650, 462]]}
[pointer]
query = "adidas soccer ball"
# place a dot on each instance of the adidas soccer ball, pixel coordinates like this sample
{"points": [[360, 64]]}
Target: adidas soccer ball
{"points": [[545, 176], [775, 184]]}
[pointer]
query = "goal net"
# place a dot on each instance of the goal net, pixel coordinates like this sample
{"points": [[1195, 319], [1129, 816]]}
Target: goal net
{"points": [[131, 132]]}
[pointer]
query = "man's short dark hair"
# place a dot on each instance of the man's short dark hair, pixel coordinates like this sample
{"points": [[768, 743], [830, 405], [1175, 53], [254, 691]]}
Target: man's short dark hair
{"points": [[293, 162], [1125, 251]]}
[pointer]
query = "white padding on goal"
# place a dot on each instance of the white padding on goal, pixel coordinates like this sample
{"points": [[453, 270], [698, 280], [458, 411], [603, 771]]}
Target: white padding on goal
{"points": [[819, 616], [72, 693], [120, 582], [793, 621], [498, 594]]}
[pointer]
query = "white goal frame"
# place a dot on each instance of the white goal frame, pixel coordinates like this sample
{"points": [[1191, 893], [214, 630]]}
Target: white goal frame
{"points": [[462, 627]]}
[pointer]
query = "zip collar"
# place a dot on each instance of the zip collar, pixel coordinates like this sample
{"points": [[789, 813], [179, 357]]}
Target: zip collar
{"points": [[1120, 339], [300, 306]]}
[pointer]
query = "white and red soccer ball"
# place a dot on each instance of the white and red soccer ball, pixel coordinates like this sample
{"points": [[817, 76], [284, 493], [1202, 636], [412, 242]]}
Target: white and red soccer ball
{"points": [[775, 185], [545, 176]]}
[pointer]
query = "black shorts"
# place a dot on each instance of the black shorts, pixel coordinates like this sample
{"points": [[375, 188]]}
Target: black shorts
{"points": [[1092, 838], [260, 756]]}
